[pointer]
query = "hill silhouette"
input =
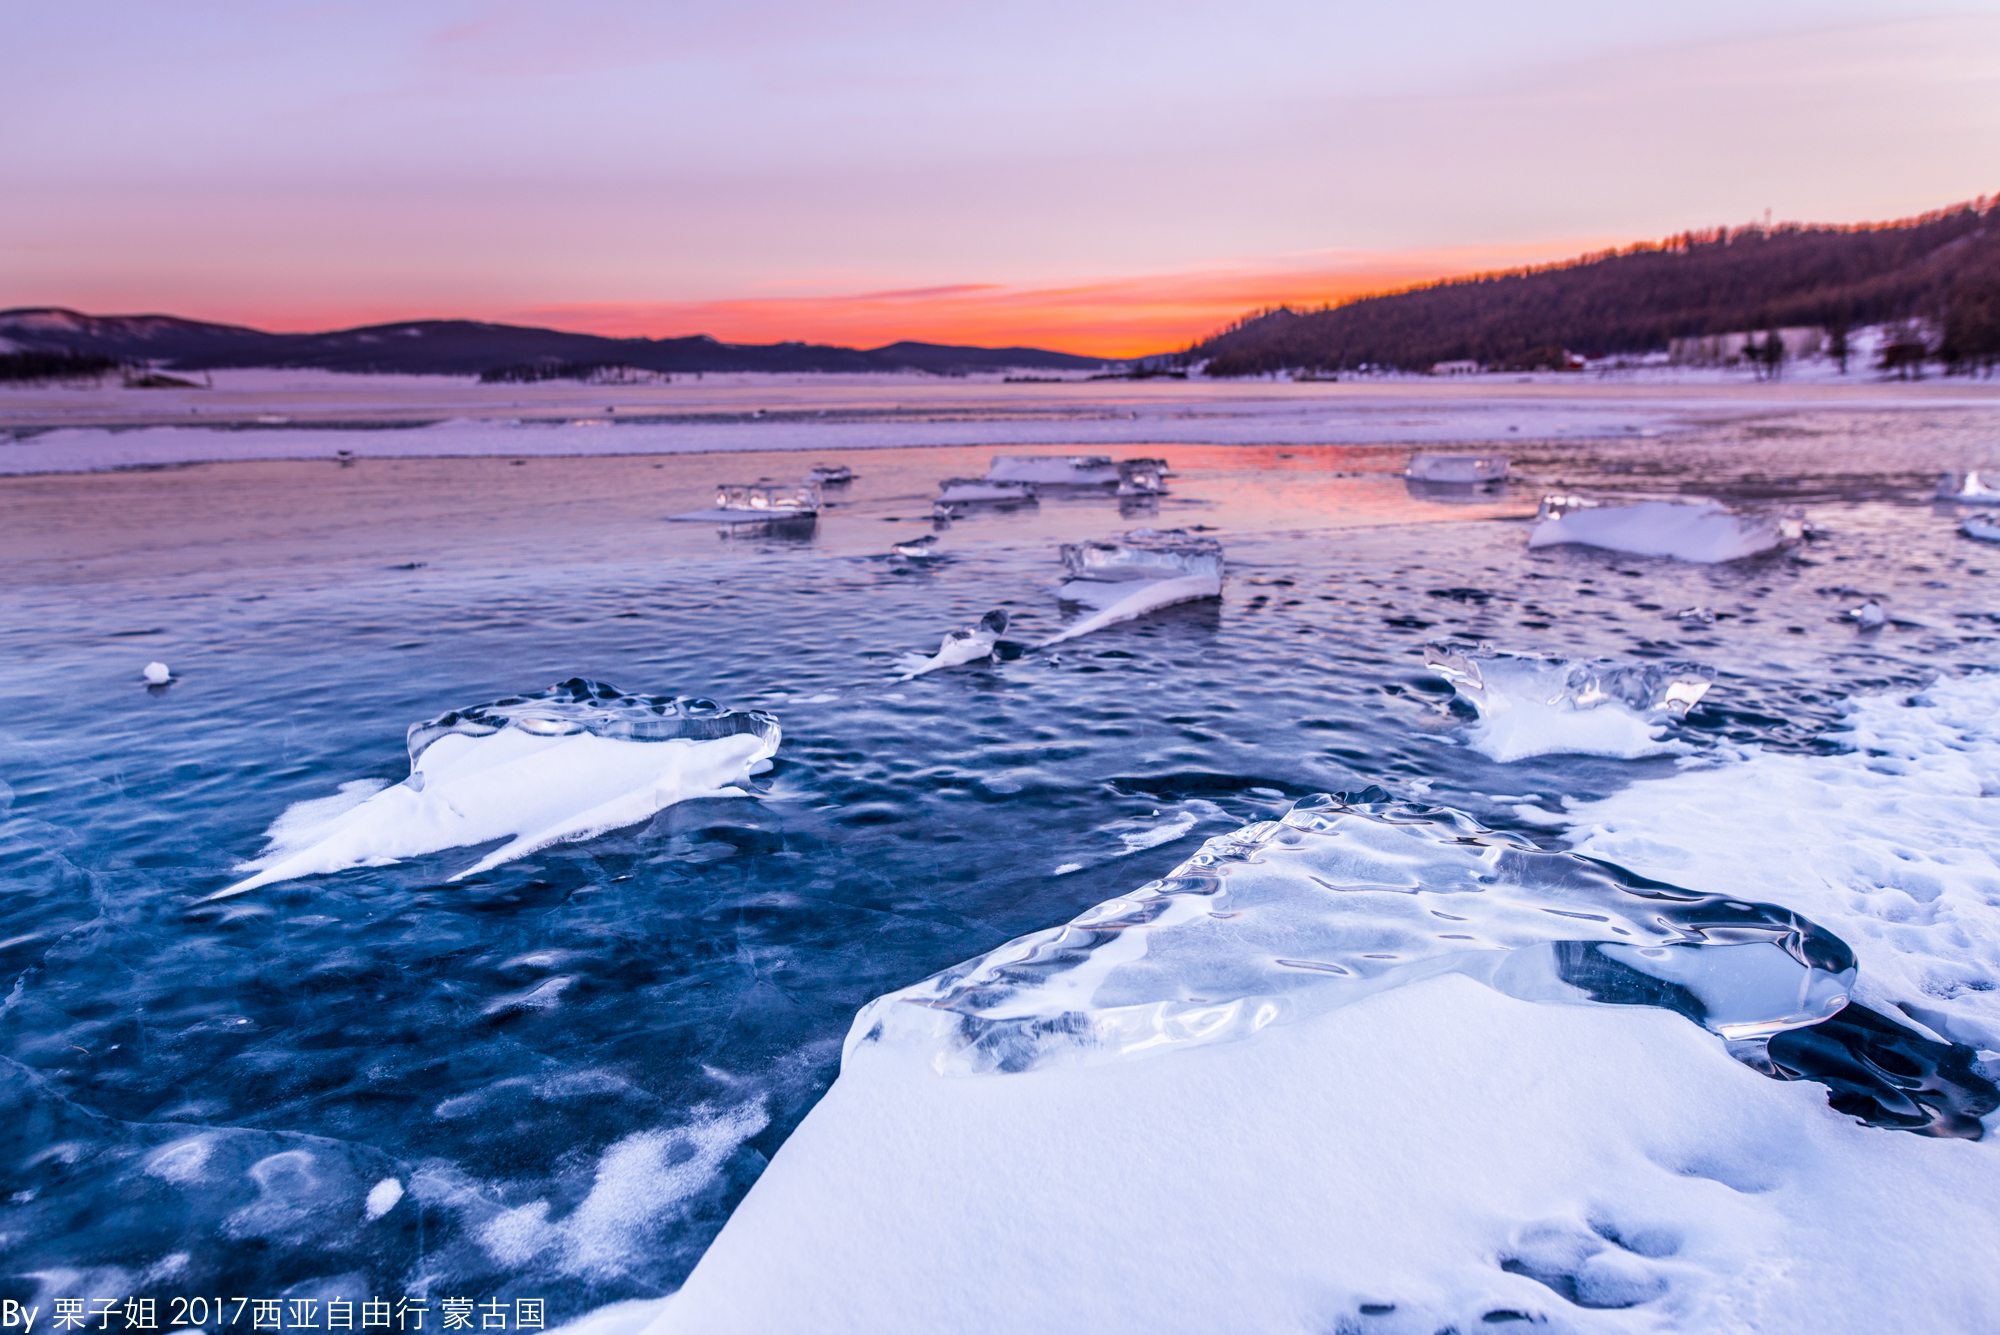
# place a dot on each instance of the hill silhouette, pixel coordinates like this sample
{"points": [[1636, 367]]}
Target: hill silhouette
{"points": [[468, 347], [1941, 269]]}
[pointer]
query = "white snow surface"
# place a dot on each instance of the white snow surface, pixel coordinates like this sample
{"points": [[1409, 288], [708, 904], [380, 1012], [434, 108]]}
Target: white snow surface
{"points": [[1439, 1154], [1703, 532], [468, 790]]}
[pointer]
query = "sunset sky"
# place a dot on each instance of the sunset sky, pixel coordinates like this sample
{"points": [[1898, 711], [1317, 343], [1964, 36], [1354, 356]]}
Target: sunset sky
{"points": [[1108, 178]]}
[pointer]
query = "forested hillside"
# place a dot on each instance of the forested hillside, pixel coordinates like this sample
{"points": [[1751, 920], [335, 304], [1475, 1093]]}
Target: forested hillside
{"points": [[1941, 269]]}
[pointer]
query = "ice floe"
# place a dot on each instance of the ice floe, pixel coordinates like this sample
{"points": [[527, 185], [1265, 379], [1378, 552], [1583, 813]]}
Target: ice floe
{"points": [[758, 502], [1145, 570], [1062, 470], [1979, 526], [958, 490], [917, 549], [1971, 488], [1534, 706], [967, 644], [568, 763], [1687, 530], [1462, 469], [156, 674]]}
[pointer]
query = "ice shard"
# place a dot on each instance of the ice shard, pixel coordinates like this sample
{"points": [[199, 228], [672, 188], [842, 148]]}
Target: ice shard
{"points": [[1979, 526], [959, 490], [1145, 570], [1460, 469], [757, 502], [564, 764], [1686, 529], [967, 644], [1060, 470], [1534, 706], [1972, 488], [1345, 897]]}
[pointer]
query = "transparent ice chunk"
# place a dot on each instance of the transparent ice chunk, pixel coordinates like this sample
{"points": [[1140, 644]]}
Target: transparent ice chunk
{"points": [[967, 644], [829, 475], [1687, 529], [1142, 477], [564, 764], [1457, 468], [1346, 897], [1531, 706], [961, 489], [1145, 570], [1061, 470], [792, 497], [1974, 488]]}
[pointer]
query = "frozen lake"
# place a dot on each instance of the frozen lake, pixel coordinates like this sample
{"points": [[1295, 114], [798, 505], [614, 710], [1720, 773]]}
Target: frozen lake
{"points": [[573, 1066]]}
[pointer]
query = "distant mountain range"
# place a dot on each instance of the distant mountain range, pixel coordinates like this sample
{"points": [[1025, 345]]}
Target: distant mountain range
{"points": [[1941, 272], [468, 347]]}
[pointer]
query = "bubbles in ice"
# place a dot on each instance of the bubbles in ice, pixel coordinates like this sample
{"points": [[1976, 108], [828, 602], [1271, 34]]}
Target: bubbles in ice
{"points": [[568, 763], [1687, 529], [1533, 706], [967, 644], [1344, 897], [1145, 570], [156, 674]]}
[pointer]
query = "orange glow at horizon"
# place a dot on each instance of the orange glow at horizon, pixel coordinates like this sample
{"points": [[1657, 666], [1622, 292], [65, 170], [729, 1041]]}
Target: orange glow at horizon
{"points": [[1113, 318]]}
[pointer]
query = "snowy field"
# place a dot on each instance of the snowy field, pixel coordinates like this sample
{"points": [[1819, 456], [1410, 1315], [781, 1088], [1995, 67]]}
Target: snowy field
{"points": [[309, 415]]}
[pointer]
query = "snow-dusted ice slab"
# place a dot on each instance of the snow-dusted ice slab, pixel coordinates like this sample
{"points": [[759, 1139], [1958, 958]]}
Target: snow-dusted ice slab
{"points": [[1971, 488], [1687, 530], [567, 763], [1061, 470], [1534, 706], [1464, 469], [1341, 899], [966, 644], [1144, 571]]}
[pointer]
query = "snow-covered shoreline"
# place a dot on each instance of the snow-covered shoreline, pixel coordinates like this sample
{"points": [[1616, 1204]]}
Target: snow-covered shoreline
{"points": [[286, 415], [1440, 1153]]}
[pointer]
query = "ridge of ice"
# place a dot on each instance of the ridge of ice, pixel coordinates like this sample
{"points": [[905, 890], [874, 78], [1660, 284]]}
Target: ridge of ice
{"points": [[1534, 706], [564, 764], [1703, 531], [1342, 898]]}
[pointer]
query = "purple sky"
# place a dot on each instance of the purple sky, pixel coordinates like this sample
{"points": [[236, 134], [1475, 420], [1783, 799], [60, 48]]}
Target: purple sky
{"points": [[731, 168]]}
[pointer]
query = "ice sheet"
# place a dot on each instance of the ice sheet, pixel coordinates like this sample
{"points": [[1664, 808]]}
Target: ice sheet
{"points": [[1534, 706], [565, 764], [1703, 531]]}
